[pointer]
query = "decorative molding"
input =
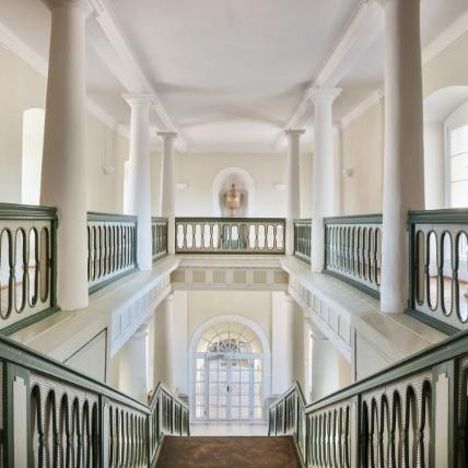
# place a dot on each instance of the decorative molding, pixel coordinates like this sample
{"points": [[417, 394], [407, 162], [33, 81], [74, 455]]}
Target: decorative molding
{"points": [[357, 38], [445, 38], [125, 67], [12, 42], [371, 100]]}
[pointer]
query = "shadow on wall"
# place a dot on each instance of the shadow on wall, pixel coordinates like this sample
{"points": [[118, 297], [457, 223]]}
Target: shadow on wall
{"points": [[244, 184]]}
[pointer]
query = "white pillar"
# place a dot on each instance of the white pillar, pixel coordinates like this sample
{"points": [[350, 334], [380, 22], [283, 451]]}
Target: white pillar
{"points": [[403, 187], [133, 366], [168, 182], [282, 342], [325, 190], [434, 165], [163, 332], [64, 162], [138, 188], [293, 203]]}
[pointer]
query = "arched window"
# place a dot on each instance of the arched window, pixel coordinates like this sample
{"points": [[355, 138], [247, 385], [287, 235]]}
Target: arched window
{"points": [[33, 140], [229, 371]]}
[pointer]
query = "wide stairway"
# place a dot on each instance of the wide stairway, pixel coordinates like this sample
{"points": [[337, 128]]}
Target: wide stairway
{"points": [[228, 452]]}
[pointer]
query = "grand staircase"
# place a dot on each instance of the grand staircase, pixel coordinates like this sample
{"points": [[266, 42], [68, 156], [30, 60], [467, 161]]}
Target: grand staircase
{"points": [[228, 452]]}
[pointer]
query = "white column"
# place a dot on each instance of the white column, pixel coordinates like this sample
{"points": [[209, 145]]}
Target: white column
{"points": [[403, 187], [168, 182], [293, 202], [163, 332], [282, 342], [138, 188], [325, 375], [133, 366], [434, 165], [64, 162], [325, 190]]}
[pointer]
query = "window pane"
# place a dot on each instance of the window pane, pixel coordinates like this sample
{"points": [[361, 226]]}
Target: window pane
{"points": [[459, 167], [460, 194], [459, 140]]}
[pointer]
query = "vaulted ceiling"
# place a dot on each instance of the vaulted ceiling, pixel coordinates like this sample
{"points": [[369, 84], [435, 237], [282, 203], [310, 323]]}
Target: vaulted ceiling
{"points": [[228, 75]]}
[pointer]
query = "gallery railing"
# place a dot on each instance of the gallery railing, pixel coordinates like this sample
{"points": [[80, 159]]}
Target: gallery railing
{"points": [[287, 417], [439, 268], [28, 256], [159, 237], [112, 241], [303, 239], [55, 416], [353, 250], [230, 235], [412, 414]]}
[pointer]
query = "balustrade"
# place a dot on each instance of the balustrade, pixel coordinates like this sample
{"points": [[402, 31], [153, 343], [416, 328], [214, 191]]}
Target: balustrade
{"points": [[230, 235], [55, 416], [159, 237], [27, 264], [411, 414], [287, 417], [111, 248], [439, 268], [303, 239], [353, 250]]}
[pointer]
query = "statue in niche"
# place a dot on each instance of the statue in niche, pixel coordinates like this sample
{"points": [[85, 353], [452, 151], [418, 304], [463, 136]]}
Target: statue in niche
{"points": [[233, 199]]}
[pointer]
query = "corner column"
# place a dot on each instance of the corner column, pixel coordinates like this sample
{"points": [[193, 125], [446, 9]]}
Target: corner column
{"points": [[168, 189], [138, 189], [64, 163], [403, 188], [293, 204], [325, 200]]}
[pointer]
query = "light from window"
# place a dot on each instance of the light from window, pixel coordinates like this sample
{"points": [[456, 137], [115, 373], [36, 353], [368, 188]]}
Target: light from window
{"points": [[459, 167], [33, 141]]}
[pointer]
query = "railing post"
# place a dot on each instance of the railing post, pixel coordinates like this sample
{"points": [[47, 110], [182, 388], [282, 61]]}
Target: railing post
{"points": [[105, 431]]}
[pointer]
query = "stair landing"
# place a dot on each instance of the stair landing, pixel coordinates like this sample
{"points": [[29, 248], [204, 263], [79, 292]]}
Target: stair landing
{"points": [[228, 452]]}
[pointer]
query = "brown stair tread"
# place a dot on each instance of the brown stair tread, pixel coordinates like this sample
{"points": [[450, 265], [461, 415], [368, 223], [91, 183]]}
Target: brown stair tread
{"points": [[228, 452]]}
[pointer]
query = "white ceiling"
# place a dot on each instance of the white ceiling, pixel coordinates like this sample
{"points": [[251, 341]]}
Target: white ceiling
{"points": [[229, 73]]}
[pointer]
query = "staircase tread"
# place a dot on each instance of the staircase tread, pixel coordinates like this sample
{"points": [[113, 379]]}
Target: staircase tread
{"points": [[229, 452]]}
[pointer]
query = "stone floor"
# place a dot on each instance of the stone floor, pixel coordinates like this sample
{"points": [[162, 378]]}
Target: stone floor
{"points": [[228, 452]]}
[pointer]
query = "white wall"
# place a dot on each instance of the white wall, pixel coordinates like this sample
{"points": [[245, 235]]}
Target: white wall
{"points": [[22, 88]]}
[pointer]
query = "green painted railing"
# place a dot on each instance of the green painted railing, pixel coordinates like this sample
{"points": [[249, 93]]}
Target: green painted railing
{"points": [[411, 414], [230, 235], [353, 250], [28, 257], [439, 268], [112, 243], [53, 415], [159, 237], [287, 417], [303, 239]]}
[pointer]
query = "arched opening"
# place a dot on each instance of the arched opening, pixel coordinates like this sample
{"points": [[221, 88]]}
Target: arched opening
{"points": [[243, 183], [229, 369], [33, 140]]}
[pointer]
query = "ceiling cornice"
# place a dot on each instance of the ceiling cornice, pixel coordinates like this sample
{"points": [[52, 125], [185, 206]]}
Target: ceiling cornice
{"points": [[448, 36], [355, 41], [13, 43], [125, 66]]}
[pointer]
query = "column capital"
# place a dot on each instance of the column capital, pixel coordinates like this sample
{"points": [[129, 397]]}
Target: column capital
{"points": [[138, 99], [294, 132], [167, 136], [325, 95], [84, 5]]}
